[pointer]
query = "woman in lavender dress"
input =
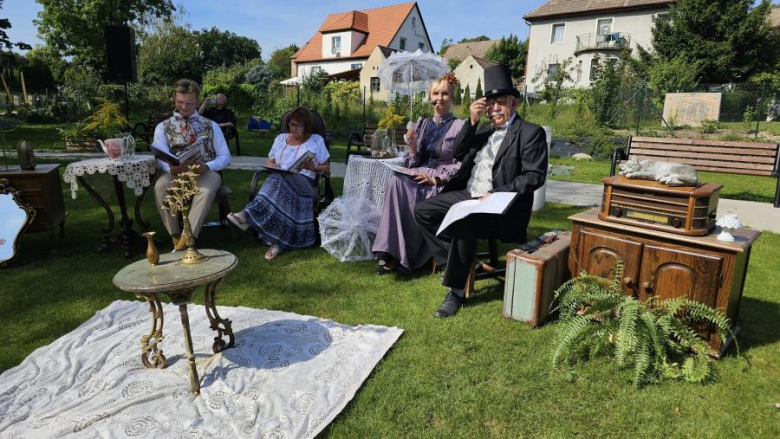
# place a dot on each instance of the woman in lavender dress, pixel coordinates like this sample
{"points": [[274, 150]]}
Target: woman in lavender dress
{"points": [[399, 245]]}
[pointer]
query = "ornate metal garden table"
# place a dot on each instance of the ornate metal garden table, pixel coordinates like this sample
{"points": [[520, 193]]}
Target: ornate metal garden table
{"points": [[178, 281]]}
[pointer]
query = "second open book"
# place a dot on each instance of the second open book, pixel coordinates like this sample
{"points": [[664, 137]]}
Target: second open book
{"points": [[497, 203], [295, 167]]}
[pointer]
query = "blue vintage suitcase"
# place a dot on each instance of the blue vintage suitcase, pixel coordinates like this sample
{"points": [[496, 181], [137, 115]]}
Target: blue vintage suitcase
{"points": [[533, 273]]}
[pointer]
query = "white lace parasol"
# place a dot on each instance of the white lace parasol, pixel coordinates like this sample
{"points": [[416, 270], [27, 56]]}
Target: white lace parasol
{"points": [[348, 228]]}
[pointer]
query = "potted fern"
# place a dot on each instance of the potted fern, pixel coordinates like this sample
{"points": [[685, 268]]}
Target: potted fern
{"points": [[657, 339]]}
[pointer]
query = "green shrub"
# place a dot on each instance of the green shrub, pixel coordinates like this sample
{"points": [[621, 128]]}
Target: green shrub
{"points": [[709, 126]]}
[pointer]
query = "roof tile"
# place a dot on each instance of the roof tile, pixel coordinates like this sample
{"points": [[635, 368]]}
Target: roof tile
{"points": [[460, 51], [565, 7]]}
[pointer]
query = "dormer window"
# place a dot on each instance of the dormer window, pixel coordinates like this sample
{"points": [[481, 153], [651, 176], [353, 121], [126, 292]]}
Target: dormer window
{"points": [[335, 45]]}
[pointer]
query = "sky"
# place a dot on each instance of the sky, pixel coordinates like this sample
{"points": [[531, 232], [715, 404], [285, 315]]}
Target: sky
{"points": [[276, 24]]}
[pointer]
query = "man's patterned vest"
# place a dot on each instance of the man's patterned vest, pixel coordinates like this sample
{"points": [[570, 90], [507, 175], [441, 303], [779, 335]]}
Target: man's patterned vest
{"points": [[184, 134]]}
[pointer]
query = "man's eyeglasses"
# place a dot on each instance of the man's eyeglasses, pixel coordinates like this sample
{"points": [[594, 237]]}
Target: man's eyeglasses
{"points": [[502, 102], [295, 126]]}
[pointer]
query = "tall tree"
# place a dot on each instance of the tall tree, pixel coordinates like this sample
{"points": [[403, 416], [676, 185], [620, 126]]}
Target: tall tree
{"points": [[219, 48], [475, 39], [512, 52], [445, 43], [168, 53], [5, 41], [727, 40], [75, 28], [279, 62]]}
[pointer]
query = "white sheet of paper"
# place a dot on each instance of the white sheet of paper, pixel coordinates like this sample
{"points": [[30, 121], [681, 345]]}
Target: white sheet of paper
{"points": [[496, 203]]}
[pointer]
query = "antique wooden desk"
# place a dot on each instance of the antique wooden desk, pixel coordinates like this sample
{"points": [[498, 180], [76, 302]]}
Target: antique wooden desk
{"points": [[41, 189], [665, 265], [178, 281]]}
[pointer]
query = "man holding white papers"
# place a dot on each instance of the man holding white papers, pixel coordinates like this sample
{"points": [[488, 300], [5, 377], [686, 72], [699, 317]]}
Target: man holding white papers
{"points": [[178, 136], [507, 155]]}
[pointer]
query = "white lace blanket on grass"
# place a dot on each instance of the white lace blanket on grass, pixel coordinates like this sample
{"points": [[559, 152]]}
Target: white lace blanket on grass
{"points": [[288, 376], [135, 171]]}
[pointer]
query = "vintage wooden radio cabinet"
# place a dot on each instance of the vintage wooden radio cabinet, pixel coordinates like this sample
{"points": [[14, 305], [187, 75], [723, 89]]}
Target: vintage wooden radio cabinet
{"points": [[664, 265], [682, 210]]}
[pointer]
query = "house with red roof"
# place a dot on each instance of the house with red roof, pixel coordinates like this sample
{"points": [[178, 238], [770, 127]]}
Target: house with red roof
{"points": [[346, 40], [589, 31]]}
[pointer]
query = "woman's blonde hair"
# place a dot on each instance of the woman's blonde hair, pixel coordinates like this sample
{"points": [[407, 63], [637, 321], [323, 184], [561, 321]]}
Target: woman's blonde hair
{"points": [[441, 83]]}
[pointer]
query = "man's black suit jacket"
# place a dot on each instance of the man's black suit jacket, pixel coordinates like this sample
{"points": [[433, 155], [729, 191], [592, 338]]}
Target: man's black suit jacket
{"points": [[520, 166]]}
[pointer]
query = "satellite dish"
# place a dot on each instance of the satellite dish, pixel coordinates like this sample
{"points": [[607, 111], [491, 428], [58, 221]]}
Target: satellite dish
{"points": [[605, 29]]}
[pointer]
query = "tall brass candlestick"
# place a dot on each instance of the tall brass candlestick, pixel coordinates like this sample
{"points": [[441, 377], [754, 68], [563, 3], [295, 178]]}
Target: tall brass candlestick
{"points": [[179, 194]]}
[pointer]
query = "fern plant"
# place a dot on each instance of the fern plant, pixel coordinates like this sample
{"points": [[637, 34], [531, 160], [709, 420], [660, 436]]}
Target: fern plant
{"points": [[656, 338]]}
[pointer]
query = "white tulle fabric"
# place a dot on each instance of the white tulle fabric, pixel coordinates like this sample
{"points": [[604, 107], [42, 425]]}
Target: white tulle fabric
{"points": [[348, 228], [134, 172], [366, 178]]}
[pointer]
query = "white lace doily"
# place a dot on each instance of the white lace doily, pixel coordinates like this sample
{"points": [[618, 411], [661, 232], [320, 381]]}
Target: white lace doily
{"points": [[367, 179], [135, 172]]}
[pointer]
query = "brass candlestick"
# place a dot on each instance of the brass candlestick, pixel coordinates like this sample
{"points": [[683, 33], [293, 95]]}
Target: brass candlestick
{"points": [[179, 194]]}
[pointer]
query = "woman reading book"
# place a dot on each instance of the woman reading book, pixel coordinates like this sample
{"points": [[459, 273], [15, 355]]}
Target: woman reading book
{"points": [[282, 212], [399, 245]]}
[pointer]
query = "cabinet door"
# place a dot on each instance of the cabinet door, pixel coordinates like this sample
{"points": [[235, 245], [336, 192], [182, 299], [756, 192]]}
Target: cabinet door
{"points": [[668, 273], [600, 252]]}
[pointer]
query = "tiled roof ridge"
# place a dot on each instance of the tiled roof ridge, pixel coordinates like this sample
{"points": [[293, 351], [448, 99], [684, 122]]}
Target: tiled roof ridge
{"points": [[373, 9]]}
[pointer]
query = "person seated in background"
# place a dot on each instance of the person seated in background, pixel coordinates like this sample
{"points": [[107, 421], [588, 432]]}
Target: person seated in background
{"points": [[506, 155], [219, 113], [282, 212], [183, 131], [399, 244]]}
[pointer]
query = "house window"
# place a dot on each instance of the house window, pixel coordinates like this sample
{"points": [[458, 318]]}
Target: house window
{"points": [[594, 68], [335, 44], [604, 26], [421, 46], [356, 66], [414, 21], [552, 68], [315, 70], [662, 17], [557, 32], [374, 84], [403, 43]]}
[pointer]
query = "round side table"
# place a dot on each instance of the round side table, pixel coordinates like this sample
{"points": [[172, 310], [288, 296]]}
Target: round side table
{"points": [[178, 281]]}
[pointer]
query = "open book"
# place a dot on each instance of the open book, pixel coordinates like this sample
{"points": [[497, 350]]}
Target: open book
{"points": [[194, 154], [497, 203], [398, 169], [295, 167]]}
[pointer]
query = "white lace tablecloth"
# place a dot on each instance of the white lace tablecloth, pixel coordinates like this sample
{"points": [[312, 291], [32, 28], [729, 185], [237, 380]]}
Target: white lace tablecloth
{"points": [[367, 178], [135, 172]]}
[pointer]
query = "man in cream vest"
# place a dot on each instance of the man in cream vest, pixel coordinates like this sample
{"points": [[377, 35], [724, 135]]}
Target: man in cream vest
{"points": [[183, 131]]}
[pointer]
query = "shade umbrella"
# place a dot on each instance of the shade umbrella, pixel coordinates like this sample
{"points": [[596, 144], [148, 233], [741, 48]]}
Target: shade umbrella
{"points": [[408, 73], [348, 228]]}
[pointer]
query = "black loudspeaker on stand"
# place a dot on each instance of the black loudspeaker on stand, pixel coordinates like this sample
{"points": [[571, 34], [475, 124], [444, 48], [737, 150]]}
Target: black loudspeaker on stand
{"points": [[120, 51]]}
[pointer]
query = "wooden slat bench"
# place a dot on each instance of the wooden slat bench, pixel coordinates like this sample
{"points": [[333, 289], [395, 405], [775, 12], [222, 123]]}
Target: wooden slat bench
{"points": [[747, 158], [358, 141]]}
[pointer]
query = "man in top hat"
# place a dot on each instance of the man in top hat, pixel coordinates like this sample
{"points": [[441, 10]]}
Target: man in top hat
{"points": [[506, 155]]}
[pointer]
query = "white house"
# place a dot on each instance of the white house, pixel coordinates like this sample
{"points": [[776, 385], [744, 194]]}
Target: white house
{"points": [[345, 40], [583, 29], [470, 71]]}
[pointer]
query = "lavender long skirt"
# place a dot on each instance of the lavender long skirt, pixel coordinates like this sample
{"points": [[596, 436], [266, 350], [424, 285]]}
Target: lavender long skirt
{"points": [[398, 234], [283, 211]]}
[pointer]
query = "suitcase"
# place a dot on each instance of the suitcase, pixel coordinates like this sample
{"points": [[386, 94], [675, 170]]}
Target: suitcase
{"points": [[533, 273]]}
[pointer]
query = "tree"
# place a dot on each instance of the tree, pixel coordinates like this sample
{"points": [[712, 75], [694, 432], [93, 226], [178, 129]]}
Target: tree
{"points": [[478, 92], [474, 40], [727, 40], [453, 64], [445, 43], [553, 80], [465, 111], [279, 62], [218, 48], [457, 98], [75, 28], [168, 54], [512, 52], [5, 41]]}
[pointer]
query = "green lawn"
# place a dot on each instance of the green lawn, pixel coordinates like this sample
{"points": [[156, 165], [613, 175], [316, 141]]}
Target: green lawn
{"points": [[475, 375]]}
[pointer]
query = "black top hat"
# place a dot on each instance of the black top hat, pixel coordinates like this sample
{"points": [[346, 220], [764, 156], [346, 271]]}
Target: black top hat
{"points": [[498, 82]]}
